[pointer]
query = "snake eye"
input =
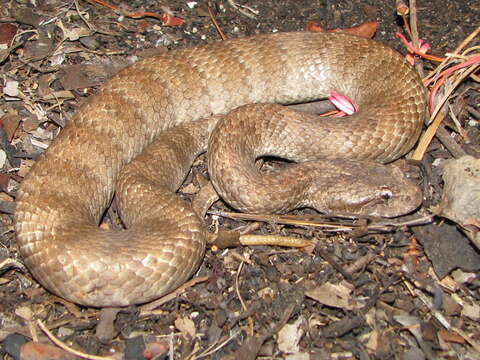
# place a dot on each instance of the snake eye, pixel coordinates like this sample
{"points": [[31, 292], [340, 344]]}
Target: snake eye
{"points": [[386, 194]]}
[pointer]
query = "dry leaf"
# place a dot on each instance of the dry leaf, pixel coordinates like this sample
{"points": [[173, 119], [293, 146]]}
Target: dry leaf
{"points": [[3, 158], [4, 179], [471, 311], [24, 312], [366, 30], [7, 33], [289, 337], [10, 123], [186, 326], [38, 351], [372, 343], [334, 295], [75, 33], [450, 336], [11, 89], [59, 95], [81, 76], [25, 167], [461, 195]]}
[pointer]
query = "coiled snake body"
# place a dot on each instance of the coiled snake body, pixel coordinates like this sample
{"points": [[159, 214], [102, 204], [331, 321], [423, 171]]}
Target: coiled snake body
{"points": [[62, 199]]}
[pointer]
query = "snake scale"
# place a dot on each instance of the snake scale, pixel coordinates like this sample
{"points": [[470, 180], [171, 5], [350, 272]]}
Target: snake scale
{"points": [[64, 196]]}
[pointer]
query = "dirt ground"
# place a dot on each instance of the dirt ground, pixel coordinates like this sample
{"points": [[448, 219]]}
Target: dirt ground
{"points": [[406, 289]]}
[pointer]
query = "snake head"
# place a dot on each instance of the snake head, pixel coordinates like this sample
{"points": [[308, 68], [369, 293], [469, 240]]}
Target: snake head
{"points": [[369, 189]]}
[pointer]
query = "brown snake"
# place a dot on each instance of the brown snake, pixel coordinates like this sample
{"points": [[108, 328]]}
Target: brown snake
{"points": [[63, 198]]}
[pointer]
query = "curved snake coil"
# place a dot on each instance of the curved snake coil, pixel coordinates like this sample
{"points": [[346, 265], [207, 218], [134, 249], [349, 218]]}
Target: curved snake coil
{"points": [[63, 198]]}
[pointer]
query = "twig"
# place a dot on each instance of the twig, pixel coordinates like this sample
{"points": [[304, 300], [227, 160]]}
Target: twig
{"points": [[90, 26], [438, 117], [154, 304], [237, 287], [214, 348], [319, 221], [244, 9], [166, 18], [227, 239], [414, 33], [467, 40], [446, 61], [67, 348], [215, 23]]}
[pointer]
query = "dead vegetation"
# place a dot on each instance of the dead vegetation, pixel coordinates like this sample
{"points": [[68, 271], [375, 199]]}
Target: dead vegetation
{"points": [[365, 289]]}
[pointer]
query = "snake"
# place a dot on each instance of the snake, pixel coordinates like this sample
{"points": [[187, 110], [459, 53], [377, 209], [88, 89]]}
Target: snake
{"points": [[138, 135]]}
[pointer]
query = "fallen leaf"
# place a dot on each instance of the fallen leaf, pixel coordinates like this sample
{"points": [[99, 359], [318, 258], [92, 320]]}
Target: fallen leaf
{"points": [[75, 33], [167, 18], [38, 351], [450, 336], [186, 326], [7, 33], [10, 123], [26, 15], [334, 295], [3, 158], [461, 195], [372, 343], [289, 337], [59, 95], [463, 277], [313, 27], [471, 311], [11, 88], [170, 20], [366, 30], [4, 180], [40, 48], [24, 312], [81, 76]]}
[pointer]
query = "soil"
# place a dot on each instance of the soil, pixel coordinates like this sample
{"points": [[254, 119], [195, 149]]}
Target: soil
{"points": [[381, 292]]}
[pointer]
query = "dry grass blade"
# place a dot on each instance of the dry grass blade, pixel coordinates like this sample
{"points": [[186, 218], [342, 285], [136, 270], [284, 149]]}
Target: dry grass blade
{"points": [[324, 222], [450, 69], [437, 116]]}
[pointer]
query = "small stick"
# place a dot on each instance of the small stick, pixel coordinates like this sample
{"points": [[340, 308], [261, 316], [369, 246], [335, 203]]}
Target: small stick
{"points": [[228, 239], [464, 43], [237, 286], [414, 34], [166, 19], [311, 221], [438, 117], [215, 23], [154, 304], [67, 348]]}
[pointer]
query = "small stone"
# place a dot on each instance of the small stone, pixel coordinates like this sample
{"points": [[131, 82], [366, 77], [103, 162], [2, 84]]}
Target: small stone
{"points": [[13, 344]]}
